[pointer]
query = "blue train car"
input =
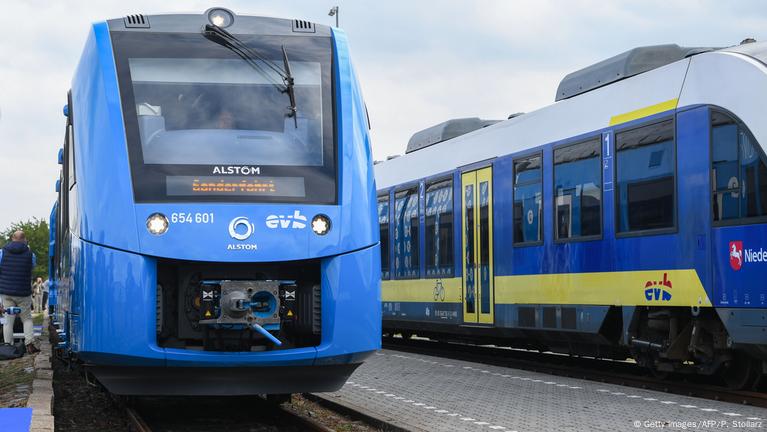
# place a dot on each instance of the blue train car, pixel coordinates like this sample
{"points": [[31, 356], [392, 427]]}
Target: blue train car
{"points": [[52, 274], [216, 230], [628, 219]]}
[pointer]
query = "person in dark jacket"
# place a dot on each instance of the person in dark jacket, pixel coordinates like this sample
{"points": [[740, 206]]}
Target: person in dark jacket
{"points": [[16, 263]]}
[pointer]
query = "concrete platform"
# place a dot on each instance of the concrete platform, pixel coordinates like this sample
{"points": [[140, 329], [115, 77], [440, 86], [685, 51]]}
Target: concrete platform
{"points": [[423, 393], [41, 399]]}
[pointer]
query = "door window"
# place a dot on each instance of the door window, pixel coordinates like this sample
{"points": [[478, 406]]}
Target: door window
{"points": [[383, 223], [528, 201], [738, 169], [468, 201], [484, 246]]}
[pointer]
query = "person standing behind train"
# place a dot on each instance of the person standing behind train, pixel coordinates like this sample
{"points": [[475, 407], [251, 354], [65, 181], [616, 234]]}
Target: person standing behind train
{"points": [[16, 264], [37, 295], [46, 288]]}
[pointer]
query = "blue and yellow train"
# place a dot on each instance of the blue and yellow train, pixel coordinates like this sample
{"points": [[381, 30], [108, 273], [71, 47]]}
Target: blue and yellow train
{"points": [[628, 219], [215, 228]]}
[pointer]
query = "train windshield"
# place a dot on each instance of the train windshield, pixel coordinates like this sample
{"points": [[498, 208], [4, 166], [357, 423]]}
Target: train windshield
{"points": [[205, 124]]}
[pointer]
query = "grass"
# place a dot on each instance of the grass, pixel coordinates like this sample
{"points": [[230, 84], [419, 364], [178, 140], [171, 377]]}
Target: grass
{"points": [[14, 373]]}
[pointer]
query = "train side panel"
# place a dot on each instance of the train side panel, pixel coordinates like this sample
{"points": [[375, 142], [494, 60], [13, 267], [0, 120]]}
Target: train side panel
{"points": [[644, 293]]}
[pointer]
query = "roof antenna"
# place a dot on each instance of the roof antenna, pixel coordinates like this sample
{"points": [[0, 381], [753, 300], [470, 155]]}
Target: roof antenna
{"points": [[747, 40]]}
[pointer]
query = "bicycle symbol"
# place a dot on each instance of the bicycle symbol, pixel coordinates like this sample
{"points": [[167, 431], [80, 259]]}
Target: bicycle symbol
{"points": [[439, 291]]}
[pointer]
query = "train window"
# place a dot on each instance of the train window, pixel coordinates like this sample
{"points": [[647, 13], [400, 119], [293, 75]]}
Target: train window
{"points": [[213, 98], [69, 143], [439, 229], [70, 157], [645, 172], [205, 125], [578, 190], [383, 223], [66, 179], [55, 224], [528, 200], [484, 246], [468, 254], [62, 219], [406, 235], [739, 172]]}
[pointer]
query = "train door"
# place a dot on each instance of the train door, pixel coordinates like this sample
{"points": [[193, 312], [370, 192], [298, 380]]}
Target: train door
{"points": [[739, 234], [477, 246]]}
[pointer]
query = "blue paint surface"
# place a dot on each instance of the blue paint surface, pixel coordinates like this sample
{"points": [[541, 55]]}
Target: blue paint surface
{"points": [[688, 245], [694, 243], [107, 294], [588, 318], [433, 312], [15, 419], [52, 271]]}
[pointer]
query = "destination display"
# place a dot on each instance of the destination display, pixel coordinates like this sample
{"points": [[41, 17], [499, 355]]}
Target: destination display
{"points": [[292, 187]]}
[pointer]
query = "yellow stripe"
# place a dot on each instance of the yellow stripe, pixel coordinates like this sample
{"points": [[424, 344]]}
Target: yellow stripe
{"points": [[644, 112], [485, 175], [608, 288], [422, 290]]}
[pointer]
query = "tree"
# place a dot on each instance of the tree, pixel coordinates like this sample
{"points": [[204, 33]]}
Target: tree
{"points": [[36, 231]]}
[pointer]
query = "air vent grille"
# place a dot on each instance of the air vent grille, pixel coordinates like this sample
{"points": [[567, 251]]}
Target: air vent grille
{"points": [[136, 21], [301, 26]]}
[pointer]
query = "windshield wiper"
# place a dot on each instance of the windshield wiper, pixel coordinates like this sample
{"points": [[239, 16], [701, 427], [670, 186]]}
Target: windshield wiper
{"points": [[289, 83], [224, 38]]}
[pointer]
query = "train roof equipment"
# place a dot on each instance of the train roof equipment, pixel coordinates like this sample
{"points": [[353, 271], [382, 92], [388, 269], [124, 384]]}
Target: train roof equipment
{"points": [[606, 93], [632, 62], [445, 131]]}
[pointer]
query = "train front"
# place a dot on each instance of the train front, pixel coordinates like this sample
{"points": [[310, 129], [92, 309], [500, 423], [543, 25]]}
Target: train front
{"points": [[222, 208]]}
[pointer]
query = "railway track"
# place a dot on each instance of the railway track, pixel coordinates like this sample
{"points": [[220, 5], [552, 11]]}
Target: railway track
{"points": [[607, 371], [232, 414], [137, 423], [195, 413]]}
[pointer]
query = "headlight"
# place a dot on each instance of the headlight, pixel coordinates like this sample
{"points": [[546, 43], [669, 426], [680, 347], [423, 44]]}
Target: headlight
{"points": [[220, 17], [157, 224], [321, 224]]}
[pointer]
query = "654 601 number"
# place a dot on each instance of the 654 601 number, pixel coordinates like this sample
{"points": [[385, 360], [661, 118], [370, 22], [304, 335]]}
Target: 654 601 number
{"points": [[188, 218]]}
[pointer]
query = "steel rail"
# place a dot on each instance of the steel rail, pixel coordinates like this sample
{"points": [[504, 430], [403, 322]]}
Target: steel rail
{"points": [[137, 423]]}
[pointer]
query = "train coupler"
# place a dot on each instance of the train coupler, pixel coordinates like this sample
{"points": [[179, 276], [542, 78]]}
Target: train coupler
{"points": [[242, 304]]}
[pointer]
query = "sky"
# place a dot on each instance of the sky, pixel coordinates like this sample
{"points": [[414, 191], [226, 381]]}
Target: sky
{"points": [[419, 62]]}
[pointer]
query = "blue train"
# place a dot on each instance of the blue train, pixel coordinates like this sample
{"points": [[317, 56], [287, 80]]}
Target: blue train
{"points": [[628, 219], [215, 228]]}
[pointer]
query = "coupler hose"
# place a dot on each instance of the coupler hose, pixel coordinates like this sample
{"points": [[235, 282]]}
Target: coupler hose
{"points": [[266, 334]]}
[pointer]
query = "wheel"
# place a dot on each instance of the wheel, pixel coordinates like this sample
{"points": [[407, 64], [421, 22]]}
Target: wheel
{"points": [[406, 335], [741, 372], [648, 363]]}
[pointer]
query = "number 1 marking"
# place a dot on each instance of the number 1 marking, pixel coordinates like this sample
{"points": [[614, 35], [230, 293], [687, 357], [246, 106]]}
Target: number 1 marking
{"points": [[607, 144]]}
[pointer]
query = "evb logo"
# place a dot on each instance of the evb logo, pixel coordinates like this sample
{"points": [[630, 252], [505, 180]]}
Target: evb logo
{"points": [[658, 290]]}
